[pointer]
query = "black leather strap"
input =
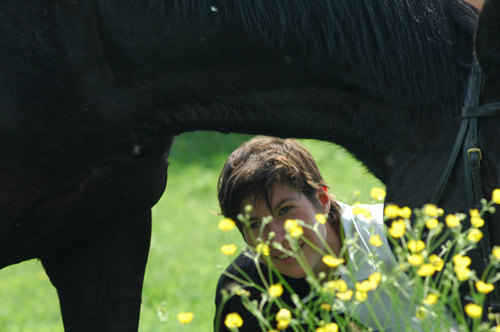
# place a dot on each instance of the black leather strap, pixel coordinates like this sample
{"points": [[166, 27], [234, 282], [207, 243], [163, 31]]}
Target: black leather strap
{"points": [[467, 141]]}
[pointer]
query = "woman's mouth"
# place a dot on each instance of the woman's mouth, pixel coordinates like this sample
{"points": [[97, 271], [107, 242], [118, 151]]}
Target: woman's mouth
{"points": [[284, 257]]}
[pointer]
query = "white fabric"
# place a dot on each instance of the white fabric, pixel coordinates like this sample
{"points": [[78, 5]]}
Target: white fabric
{"points": [[362, 258]]}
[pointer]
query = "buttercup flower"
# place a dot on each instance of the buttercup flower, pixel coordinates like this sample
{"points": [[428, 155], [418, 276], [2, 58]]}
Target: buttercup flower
{"points": [[496, 252], [359, 210], [391, 211], [283, 317], [431, 210], [332, 327], [473, 310], [483, 287], [405, 212], [332, 261], [463, 273], [431, 223], [185, 317], [262, 248], [495, 196], [397, 228], [233, 320], [474, 235], [228, 249], [437, 261], [477, 222], [325, 306], [377, 193], [426, 270], [416, 246], [345, 296], [275, 290], [461, 261], [293, 228], [452, 220], [415, 259], [321, 218], [375, 240], [375, 278], [226, 224], [431, 299], [361, 296]]}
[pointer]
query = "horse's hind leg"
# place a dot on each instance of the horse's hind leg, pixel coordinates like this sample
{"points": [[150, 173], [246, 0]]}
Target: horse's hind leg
{"points": [[100, 283]]}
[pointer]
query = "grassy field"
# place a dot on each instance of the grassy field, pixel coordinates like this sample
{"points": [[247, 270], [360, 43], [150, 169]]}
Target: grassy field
{"points": [[185, 261]]}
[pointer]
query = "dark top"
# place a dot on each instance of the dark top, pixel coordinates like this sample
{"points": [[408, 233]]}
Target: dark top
{"points": [[234, 304]]}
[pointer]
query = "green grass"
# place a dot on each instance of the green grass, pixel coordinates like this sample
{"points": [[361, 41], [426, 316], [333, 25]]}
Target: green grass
{"points": [[185, 261]]}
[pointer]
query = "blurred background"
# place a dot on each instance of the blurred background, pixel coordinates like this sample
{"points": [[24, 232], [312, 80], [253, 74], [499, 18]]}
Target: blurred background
{"points": [[185, 261]]}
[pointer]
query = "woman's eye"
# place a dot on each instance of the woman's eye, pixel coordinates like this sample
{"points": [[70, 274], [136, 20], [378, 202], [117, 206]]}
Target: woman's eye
{"points": [[255, 224], [284, 210]]}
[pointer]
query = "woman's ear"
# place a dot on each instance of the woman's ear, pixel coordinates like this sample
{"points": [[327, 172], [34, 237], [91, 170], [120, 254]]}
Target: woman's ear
{"points": [[324, 199]]}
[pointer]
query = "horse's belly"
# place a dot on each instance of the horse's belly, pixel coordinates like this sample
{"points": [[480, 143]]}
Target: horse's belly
{"points": [[41, 216]]}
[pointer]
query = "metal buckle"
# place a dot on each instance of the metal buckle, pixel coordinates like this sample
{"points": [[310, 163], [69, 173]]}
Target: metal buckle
{"points": [[478, 150], [494, 315]]}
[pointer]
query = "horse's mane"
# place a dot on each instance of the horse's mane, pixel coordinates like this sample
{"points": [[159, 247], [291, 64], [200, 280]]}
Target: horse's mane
{"points": [[419, 50]]}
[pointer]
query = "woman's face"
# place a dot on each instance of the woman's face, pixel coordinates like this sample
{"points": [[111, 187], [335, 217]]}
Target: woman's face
{"points": [[288, 203]]}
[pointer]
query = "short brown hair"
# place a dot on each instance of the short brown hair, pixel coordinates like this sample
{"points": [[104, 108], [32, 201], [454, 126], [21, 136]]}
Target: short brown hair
{"points": [[253, 168]]}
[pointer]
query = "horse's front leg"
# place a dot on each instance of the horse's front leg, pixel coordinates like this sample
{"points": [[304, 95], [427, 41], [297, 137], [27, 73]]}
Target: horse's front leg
{"points": [[100, 283]]}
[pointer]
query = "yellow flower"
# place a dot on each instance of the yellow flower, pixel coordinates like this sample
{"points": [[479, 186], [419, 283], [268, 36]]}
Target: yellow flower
{"points": [[226, 224], [415, 259], [233, 320], [283, 317], [332, 261], [397, 228], [477, 222], [497, 328], [463, 273], [496, 252], [437, 261], [325, 306], [345, 296], [321, 218], [416, 246], [483, 287], [474, 213], [375, 278], [391, 211], [431, 299], [473, 310], [293, 228], [365, 286], [338, 285], [332, 327], [426, 270], [228, 249], [405, 212], [275, 290], [375, 240], [431, 223], [421, 313], [431, 210], [474, 235], [361, 296], [377, 193], [495, 196], [358, 210], [461, 261], [262, 248], [452, 220], [185, 317]]}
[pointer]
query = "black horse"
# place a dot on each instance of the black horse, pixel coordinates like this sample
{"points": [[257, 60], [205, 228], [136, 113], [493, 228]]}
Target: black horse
{"points": [[93, 92]]}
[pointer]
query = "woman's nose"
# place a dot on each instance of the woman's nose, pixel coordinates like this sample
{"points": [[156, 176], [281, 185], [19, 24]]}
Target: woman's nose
{"points": [[277, 227]]}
